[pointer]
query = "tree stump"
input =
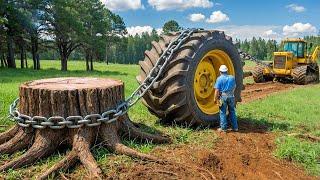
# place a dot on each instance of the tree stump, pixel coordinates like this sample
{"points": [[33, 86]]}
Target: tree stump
{"points": [[71, 97]]}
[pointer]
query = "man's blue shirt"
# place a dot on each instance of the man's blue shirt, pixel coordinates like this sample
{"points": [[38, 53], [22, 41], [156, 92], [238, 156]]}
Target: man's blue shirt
{"points": [[225, 83]]}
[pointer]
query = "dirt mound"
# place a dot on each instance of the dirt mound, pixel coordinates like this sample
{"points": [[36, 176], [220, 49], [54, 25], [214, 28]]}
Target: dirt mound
{"points": [[246, 154], [261, 90]]}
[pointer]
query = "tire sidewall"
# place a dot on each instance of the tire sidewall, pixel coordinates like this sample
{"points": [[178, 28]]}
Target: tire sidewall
{"points": [[208, 45]]}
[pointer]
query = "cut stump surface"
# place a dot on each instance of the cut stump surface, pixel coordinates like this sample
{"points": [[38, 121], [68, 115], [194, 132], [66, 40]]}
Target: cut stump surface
{"points": [[71, 97]]}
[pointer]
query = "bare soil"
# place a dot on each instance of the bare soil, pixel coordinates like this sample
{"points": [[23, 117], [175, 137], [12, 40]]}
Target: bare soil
{"points": [[261, 90], [246, 154]]}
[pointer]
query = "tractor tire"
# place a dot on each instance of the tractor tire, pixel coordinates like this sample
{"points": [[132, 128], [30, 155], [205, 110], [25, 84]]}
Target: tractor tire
{"points": [[299, 75], [172, 98], [257, 74]]}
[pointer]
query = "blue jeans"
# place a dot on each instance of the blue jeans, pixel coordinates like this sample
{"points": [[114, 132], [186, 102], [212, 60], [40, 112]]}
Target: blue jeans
{"points": [[228, 102]]}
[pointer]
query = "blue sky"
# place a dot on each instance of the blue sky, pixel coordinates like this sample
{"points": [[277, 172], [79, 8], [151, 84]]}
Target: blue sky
{"points": [[272, 19]]}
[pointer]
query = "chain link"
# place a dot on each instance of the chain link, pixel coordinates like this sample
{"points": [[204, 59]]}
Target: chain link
{"points": [[92, 120], [249, 57]]}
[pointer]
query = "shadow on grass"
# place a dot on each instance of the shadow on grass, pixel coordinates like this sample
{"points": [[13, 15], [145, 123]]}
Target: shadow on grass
{"points": [[250, 125], [246, 125], [148, 129]]}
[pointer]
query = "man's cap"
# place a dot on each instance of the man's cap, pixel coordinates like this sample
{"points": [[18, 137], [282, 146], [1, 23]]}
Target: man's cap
{"points": [[223, 68]]}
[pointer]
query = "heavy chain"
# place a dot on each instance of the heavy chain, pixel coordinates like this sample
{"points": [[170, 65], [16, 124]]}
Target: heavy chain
{"points": [[91, 120], [159, 67], [249, 57]]}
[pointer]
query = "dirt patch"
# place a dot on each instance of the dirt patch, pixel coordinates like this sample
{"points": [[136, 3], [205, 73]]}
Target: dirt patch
{"points": [[261, 90], [246, 154]]}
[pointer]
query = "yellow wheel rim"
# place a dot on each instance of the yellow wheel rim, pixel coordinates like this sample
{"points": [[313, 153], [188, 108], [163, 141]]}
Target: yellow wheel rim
{"points": [[205, 77]]}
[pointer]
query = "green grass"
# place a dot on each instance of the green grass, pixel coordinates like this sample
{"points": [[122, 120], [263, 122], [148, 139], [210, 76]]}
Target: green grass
{"points": [[293, 111]]}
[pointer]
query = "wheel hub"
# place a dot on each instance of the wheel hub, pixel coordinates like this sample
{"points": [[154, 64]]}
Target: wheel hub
{"points": [[205, 76], [204, 80]]}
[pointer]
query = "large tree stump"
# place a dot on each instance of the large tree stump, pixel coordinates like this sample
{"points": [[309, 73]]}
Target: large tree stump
{"points": [[71, 97]]}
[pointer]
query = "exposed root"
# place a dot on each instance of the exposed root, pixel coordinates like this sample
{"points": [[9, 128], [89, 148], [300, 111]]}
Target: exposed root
{"points": [[111, 139], [42, 147], [21, 140], [133, 132], [82, 142], [5, 136], [64, 164], [122, 149]]}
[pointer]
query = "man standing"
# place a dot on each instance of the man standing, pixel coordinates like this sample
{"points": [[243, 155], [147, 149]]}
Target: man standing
{"points": [[224, 96]]}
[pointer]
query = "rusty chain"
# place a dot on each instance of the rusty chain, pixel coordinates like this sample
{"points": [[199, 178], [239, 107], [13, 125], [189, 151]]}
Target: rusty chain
{"points": [[92, 120]]}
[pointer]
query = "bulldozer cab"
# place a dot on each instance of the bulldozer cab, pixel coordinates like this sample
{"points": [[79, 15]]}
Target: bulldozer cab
{"points": [[298, 47]]}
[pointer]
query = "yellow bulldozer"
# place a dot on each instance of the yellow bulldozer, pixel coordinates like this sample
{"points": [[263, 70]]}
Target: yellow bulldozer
{"points": [[295, 63]]}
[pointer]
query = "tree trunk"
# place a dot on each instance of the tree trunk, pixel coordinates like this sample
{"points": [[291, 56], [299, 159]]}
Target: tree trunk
{"points": [[107, 49], [34, 52], [38, 61], [64, 63], [87, 62], [11, 60], [91, 63], [26, 59], [22, 56], [72, 97], [2, 59], [5, 60]]}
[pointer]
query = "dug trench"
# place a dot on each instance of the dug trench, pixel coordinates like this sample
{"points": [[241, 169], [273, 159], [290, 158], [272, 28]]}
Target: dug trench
{"points": [[247, 154]]}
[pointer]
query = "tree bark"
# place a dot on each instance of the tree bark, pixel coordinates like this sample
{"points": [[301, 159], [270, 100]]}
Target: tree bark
{"points": [[22, 56], [2, 60], [35, 53], [64, 63], [87, 61], [91, 63], [72, 97], [5, 60], [10, 60], [26, 59]]}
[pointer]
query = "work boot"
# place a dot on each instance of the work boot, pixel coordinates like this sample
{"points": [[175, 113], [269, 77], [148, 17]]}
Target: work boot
{"points": [[221, 130]]}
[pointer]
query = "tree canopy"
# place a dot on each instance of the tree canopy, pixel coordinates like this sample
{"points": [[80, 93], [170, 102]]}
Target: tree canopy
{"points": [[171, 26], [84, 30]]}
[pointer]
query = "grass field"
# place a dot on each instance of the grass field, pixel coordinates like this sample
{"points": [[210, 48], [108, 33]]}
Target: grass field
{"points": [[294, 111]]}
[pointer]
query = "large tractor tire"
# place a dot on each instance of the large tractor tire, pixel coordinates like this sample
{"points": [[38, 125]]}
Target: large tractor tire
{"points": [[184, 93], [299, 75]]}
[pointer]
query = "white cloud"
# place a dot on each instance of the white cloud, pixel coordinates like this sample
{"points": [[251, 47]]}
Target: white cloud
{"points": [[179, 4], [133, 30], [196, 17], [159, 31], [122, 5], [299, 29], [296, 8], [270, 34], [217, 17], [249, 31]]}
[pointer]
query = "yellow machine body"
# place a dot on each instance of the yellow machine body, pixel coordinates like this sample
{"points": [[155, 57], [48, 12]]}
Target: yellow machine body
{"points": [[295, 54]]}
